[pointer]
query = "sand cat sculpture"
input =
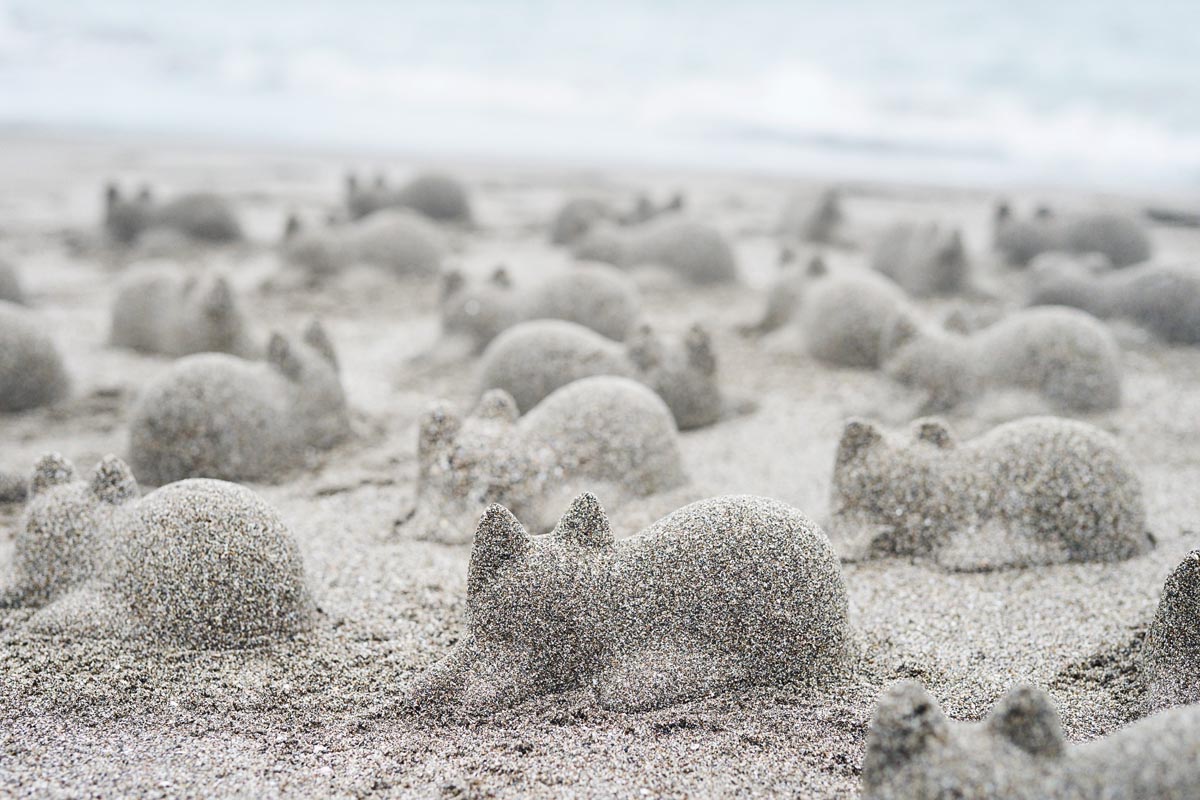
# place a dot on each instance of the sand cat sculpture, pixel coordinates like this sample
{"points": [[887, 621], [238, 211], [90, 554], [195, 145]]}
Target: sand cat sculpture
{"points": [[596, 296], [604, 432], [1163, 299], [199, 216], [577, 216], [396, 241], [841, 315], [809, 219], [10, 284], [735, 589], [164, 311], [434, 195], [1041, 490], [1171, 651], [690, 251], [923, 259], [218, 416], [533, 359], [1066, 356], [1020, 753], [199, 563], [31, 370], [1122, 239]]}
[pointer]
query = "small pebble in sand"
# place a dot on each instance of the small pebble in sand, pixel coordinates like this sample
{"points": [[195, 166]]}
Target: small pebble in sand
{"points": [[10, 284], [1019, 752], [734, 589], [1040, 490], [533, 359], [604, 432], [1163, 299], [31, 369], [219, 416], [1066, 356], [1121, 238], [597, 296], [924, 259], [690, 251], [1171, 653], [397, 241], [809, 219], [199, 563], [435, 195], [199, 216], [162, 310]]}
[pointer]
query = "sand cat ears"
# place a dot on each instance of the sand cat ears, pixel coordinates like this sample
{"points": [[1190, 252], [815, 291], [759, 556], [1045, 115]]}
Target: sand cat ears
{"points": [[1003, 211], [644, 348], [113, 482], [501, 278], [1028, 719], [112, 194], [934, 432], [906, 722], [49, 471], [452, 281], [817, 267], [219, 300], [857, 436], [291, 226], [145, 193], [281, 355], [585, 523], [351, 182], [497, 404], [1043, 212], [699, 350], [316, 338], [499, 539], [439, 426]]}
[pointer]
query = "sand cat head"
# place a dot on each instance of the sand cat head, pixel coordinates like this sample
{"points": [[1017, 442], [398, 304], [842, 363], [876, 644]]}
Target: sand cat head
{"points": [[466, 464], [530, 593], [311, 366], [479, 310], [60, 543], [913, 750]]}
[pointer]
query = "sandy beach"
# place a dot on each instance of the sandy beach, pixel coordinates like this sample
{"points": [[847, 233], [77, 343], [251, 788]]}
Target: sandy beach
{"points": [[95, 717]]}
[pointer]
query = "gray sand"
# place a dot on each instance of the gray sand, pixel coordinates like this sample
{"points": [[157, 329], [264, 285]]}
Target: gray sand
{"points": [[93, 717]]}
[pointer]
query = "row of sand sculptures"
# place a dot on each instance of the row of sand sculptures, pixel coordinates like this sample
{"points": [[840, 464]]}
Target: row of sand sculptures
{"points": [[724, 592], [588, 321]]}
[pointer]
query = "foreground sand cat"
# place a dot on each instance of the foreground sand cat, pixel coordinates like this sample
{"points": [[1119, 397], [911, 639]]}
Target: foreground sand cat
{"points": [[1040, 490], [727, 590], [218, 416], [1019, 753], [602, 432], [198, 563]]}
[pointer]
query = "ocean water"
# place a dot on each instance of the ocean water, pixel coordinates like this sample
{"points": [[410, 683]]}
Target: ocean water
{"points": [[1098, 93]]}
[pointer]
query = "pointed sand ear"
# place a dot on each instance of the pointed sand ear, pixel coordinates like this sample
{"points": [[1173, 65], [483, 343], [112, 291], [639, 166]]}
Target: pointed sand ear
{"points": [[584, 523], [497, 404], [817, 267], [787, 256], [439, 426], [50, 470], [219, 301], [1003, 211], [956, 322], [112, 194], [113, 481], [291, 226], [380, 180], [698, 345], [644, 348], [351, 182], [1027, 718], [145, 193], [1043, 212], [857, 436], [899, 332], [501, 278], [907, 720], [316, 338], [499, 539], [281, 356], [933, 431], [452, 281]]}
